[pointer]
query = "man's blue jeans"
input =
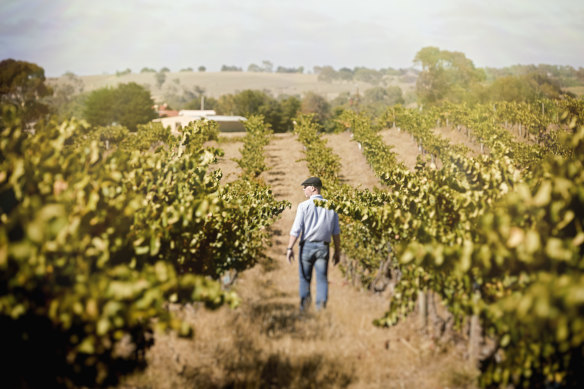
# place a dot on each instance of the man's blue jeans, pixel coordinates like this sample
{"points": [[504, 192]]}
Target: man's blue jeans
{"points": [[313, 255]]}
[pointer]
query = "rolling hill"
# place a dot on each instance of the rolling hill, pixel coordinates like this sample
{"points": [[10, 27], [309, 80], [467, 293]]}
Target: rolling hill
{"points": [[216, 84]]}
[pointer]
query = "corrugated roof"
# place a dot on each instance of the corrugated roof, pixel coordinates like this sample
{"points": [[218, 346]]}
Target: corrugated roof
{"points": [[197, 112]]}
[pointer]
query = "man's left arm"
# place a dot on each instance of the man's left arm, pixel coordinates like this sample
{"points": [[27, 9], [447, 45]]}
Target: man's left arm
{"points": [[290, 248], [337, 254], [297, 228], [336, 233]]}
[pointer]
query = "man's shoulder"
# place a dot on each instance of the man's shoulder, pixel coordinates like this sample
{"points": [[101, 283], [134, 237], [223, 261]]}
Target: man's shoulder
{"points": [[305, 203]]}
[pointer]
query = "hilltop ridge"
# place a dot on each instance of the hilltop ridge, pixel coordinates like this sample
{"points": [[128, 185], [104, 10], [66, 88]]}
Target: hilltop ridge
{"points": [[216, 84]]}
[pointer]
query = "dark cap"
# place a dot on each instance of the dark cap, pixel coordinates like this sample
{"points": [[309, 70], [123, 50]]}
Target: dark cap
{"points": [[312, 181]]}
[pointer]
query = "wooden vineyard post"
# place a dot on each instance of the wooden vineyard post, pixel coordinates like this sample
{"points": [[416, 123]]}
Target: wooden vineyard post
{"points": [[474, 337], [475, 332], [423, 310]]}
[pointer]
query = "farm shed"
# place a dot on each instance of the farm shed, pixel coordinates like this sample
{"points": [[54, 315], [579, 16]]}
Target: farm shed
{"points": [[226, 123]]}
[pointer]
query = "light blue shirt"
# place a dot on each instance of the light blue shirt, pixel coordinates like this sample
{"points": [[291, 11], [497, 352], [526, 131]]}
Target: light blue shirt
{"points": [[314, 223]]}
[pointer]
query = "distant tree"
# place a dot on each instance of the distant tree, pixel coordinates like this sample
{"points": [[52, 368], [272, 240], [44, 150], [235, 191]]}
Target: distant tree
{"points": [[408, 76], [202, 68], [165, 70], [370, 76], [377, 99], [327, 74], [123, 72], [290, 106], [73, 107], [226, 105], [528, 87], [386, 96], [345, 74], [248, 102], [189, 69], [194, 92], [66, 96], [268, 66], [22, 85], [272, 112], [394, 95], [446, 75], [147, 70], [392, 72], [543, 85], [227, 68], [342, 100], [375, 95], [195, 103], [160, 77], [282, 69], [100, 107], [509, 88], [580, 74], [190, 96], [234, 104], [133, 105], [316, 104], [254, 68], [128, 105], [562, 75], [278, 113], [211, 103]]}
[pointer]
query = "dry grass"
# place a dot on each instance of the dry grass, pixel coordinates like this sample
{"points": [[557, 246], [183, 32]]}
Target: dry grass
{"points": [[459, 137], [577, 90], [216, 84], [402, 144], [231, 144], [266, 343], [355, 169]]}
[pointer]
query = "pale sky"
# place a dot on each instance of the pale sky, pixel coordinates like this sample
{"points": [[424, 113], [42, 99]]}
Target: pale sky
{"points": [[104, 36]]}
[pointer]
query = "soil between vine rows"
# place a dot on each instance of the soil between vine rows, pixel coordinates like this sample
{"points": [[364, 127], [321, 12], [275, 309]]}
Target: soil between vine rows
{"points": [[266, 343]]}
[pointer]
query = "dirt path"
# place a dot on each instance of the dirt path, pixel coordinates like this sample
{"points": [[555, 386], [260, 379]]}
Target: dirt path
{"points": [[266, 343], [403, 145], [355, 170], [456, 137], [230, 146]]}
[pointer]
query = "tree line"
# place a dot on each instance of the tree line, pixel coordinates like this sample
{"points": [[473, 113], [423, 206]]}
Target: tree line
{"points": [[131, 104], [449, 76], [442, 76], [562, 75]]}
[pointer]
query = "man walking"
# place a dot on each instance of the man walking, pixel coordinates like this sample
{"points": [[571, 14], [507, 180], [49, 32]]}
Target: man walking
{"points": [[315, 226]]}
